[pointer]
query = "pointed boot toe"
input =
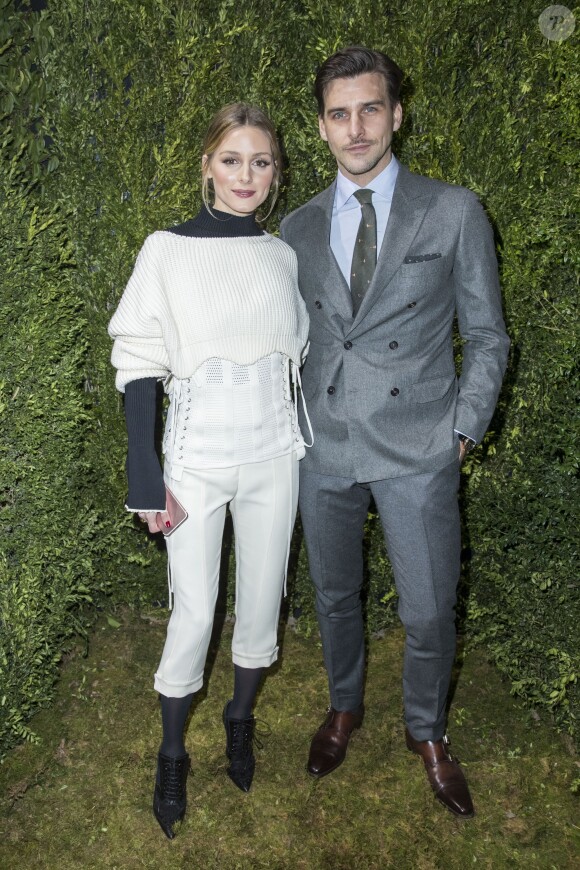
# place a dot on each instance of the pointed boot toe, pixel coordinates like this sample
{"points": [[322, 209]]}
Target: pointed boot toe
{"points": [[170, 795], [240, 735]]}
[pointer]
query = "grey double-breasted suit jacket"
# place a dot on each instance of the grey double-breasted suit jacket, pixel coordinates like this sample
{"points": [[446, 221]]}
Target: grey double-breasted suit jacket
{"points": [[381, 388]]}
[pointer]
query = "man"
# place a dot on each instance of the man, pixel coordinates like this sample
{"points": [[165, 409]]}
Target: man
{"points": [[387, 259]]}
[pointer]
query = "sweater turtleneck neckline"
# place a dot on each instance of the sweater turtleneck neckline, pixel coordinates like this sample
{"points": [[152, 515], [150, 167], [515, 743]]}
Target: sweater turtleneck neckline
{"points": [[216, 224]]}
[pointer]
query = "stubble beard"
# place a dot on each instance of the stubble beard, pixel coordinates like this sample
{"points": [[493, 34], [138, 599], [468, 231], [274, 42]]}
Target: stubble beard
{"points": [[354, 167]]}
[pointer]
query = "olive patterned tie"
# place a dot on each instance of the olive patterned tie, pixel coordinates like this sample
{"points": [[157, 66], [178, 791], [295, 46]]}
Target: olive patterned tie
{"points": [[364, 258]]}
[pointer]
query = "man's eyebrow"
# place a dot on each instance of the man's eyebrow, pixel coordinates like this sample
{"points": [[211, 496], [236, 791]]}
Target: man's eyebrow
{"points": [[378, 102]]}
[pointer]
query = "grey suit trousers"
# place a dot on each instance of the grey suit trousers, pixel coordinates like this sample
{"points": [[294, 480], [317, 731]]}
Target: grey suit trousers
{"points": [[420, 519]]}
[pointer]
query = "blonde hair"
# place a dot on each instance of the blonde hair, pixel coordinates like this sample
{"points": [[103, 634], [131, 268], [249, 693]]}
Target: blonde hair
{"points": [[229, 118]]}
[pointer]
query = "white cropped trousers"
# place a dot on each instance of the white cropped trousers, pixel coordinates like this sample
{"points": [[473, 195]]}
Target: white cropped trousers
{"points": [[263, 498]]}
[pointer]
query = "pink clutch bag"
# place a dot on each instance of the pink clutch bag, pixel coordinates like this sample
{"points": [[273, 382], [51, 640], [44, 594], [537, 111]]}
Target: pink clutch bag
{"points": [[176, 511]]}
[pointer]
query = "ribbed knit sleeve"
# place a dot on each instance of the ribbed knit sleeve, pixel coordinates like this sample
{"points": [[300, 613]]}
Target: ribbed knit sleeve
{"points": [[139, 349], [144, 474]]}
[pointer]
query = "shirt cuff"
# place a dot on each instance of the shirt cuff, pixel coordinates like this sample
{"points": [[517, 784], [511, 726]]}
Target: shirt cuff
{"points": [[465, 435]]}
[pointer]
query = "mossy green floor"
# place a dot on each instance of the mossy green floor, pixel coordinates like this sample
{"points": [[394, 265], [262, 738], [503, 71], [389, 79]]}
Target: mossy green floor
{"points": [[81, 798]]}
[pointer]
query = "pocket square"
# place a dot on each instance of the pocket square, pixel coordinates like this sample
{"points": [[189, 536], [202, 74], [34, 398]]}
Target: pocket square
{"points": [[422, 258]]}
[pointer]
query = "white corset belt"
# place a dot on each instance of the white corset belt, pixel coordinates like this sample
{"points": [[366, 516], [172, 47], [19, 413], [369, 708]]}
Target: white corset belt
{"points": [[228, 414]]}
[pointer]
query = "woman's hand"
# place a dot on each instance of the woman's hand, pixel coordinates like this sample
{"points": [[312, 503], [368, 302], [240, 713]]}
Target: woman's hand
{"points": [[157, 521]]}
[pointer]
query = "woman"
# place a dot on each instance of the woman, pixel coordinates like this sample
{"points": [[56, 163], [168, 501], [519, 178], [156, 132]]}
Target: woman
{"points": [[213, 309]]}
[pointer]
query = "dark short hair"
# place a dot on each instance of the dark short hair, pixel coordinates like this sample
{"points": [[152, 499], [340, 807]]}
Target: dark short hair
{"points": [[355, 60]]}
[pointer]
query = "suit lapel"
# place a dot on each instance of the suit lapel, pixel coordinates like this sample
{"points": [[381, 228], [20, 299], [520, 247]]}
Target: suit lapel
{"points": [[410, 202], [333, 284]]}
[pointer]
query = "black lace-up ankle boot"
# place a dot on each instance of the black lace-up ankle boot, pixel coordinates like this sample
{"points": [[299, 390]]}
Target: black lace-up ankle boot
{"points": [[239, 749], [170, 796]]}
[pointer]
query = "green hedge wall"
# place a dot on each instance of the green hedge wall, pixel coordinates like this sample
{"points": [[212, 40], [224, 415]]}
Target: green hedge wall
{"points": [[44, 577], [106, 105]]}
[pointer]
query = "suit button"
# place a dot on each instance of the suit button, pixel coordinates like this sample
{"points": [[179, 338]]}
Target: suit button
{"points": [[318, 304], [394, 345], [347, 345], [395, 391], [411, 305], [330, 391]]}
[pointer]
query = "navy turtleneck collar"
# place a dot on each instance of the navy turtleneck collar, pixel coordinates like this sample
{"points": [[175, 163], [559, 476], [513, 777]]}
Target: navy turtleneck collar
{"points": [[210, 224]]}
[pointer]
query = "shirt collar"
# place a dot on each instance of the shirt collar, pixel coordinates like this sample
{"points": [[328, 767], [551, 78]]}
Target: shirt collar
{"points": [[383, 185]]}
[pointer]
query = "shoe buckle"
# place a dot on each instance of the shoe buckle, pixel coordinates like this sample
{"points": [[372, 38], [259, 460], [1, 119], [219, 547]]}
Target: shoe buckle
{"points": [[447, 744]]}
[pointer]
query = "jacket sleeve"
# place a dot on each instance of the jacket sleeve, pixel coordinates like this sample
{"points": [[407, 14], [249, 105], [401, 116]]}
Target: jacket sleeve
{"points": [[480, 321], [144, 474], [139, 349]]}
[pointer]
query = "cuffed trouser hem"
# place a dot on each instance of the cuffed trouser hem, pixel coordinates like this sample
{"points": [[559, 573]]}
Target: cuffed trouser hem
{"points": [[245, 661], [177, 690], [346, 703], [422, 734]]}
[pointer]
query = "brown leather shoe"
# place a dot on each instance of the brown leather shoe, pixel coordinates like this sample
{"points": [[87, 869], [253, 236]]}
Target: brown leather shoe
{"points": [[445, 776], [328, 747]]}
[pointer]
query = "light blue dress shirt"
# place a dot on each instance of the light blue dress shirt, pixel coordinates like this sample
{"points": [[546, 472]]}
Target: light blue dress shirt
{"points": [[346, 213]]}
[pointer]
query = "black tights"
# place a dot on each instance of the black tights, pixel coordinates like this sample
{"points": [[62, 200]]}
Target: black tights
{"points": [[173, 717], [174, 711], [246, 682]]}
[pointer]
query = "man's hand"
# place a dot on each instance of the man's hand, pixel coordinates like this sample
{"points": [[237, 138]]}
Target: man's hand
{"points": [[157, 521]]}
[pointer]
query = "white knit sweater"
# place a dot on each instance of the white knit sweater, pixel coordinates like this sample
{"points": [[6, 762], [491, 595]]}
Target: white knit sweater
{"points": [[190, 299]]}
